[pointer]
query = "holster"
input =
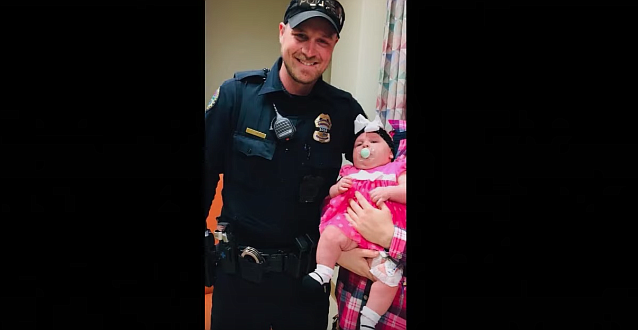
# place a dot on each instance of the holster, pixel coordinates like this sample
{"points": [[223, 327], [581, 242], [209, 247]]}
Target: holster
{"points": [[210, 259], [303, 262], [227, 249]]}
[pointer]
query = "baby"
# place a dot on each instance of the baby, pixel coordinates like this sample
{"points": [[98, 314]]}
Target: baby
{"points": [[375, 175]]}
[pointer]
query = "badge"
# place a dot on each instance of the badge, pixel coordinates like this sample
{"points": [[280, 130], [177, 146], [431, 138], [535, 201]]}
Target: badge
{"points": [[213, 100], [322, 128]]}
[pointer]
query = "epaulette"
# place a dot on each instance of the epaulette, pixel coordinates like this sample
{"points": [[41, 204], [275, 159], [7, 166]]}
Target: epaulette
{"points": [[251, 74]]}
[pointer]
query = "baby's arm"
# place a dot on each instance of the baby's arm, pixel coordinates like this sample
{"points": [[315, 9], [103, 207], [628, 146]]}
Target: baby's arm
{"points": [[393, 193], [398, 194], [340, 187]]}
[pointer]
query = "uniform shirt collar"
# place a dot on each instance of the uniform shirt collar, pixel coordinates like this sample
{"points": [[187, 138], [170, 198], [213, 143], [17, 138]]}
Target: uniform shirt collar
{"points": [[273, 82]]}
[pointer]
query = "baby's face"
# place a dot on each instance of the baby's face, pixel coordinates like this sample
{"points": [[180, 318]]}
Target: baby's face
{"points": [[370, 151]]}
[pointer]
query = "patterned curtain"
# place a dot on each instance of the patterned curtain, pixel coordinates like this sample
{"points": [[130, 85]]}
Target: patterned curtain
{"points": [[391, 96]]}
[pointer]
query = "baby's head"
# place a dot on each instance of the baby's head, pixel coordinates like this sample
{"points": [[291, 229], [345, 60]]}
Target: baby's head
{"points": [[373, 146]]}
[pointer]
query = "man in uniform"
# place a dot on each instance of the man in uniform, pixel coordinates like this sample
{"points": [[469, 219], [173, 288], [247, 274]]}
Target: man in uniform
{"points": [[278, 137]]}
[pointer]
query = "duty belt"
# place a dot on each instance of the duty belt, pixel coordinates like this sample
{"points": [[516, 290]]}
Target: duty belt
{"points": [[252, 263], [273, 260]]}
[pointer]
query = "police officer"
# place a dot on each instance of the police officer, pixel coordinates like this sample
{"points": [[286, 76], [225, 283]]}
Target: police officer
{"points": [[278, 137]]}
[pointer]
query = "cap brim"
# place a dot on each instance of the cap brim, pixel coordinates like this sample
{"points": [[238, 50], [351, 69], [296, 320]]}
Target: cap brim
{"points": [[303, 16]]}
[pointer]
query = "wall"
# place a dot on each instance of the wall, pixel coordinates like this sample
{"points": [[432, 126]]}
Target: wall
{"points": [[356, 62], [240, 35], [240, 39]]}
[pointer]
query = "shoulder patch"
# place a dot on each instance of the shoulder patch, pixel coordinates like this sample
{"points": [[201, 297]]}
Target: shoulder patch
{"points": [[213, 99]]}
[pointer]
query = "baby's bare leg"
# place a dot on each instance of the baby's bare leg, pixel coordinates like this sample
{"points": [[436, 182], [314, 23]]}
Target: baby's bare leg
{"points": [[331, 242], [380, 300], [381, 297]]}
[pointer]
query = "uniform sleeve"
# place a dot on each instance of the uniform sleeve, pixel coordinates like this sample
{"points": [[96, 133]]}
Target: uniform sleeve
{"points": [[217, 137]]}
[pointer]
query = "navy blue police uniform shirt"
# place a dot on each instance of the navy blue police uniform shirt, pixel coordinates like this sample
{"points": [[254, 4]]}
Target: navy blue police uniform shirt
{"points": [[274, 189]]}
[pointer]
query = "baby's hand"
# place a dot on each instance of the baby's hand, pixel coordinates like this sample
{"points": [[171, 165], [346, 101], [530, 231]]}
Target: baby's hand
{"points": [[380, 194], [344, 184]]}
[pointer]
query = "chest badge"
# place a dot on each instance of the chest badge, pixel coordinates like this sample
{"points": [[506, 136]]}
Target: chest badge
{"points": [[213, 99], [323, 124]]}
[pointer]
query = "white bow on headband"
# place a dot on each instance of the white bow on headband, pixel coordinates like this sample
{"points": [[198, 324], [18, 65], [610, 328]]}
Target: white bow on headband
{"points": [[362, 123]]}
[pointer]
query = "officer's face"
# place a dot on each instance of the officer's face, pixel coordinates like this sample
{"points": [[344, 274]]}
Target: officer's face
{"points": [[306, 50], [373, 146]]}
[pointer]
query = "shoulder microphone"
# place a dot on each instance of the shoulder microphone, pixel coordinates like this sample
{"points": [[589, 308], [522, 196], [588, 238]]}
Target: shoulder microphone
{"points": [[283, 127]]}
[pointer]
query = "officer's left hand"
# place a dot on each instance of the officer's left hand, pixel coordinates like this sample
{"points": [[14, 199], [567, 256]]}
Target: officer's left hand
{"points": [[373, 224]]}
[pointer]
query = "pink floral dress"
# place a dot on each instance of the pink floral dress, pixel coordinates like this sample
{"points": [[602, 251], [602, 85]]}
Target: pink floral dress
{"points": [[364, 181]]}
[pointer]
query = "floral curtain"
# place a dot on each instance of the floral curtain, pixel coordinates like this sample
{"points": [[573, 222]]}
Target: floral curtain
{"points": [[391, 95]]}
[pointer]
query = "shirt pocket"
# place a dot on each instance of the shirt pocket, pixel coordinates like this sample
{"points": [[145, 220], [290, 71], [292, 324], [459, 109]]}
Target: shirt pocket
{"points": [[253, 160]]}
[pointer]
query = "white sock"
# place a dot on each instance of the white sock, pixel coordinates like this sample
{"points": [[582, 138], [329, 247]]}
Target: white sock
{"points": [[369, 318], [322, 274]]}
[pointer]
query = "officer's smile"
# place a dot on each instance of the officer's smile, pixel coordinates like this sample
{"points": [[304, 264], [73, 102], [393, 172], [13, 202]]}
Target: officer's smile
{"points": [[306, 63]]}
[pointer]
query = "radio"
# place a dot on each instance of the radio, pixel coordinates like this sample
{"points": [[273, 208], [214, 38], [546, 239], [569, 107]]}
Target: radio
{"points": [[283, 127]]}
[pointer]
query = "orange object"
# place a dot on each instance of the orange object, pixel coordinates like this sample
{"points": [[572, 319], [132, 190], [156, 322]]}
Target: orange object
{"points": [[208, 303], [215, 211], [216, 206]]}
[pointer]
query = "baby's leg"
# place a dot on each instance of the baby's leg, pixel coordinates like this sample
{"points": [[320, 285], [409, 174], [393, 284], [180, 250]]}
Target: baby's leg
{"points": [[381, 297], [379, 301], [331, 242]]}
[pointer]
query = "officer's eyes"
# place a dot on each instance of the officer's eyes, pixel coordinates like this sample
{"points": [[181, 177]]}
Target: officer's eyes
{"points": [[303, 37]]}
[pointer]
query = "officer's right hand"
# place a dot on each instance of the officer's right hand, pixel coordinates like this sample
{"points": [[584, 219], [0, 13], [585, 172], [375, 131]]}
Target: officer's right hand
{"points": [[356, 261]]}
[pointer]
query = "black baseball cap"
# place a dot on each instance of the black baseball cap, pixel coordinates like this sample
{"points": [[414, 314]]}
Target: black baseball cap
{"points": [[300, 10]]}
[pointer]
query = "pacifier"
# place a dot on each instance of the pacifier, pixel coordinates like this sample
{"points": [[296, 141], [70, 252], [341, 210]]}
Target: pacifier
{"points": [[365, 152]]}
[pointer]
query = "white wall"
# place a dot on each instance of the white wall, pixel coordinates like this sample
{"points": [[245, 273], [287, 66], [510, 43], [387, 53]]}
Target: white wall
{"points": [[356, 62], [240, 35], [243, 35]]}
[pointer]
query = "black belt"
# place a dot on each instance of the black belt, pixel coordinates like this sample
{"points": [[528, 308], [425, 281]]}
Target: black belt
{"points": [[274, 260], [252, 263]]}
